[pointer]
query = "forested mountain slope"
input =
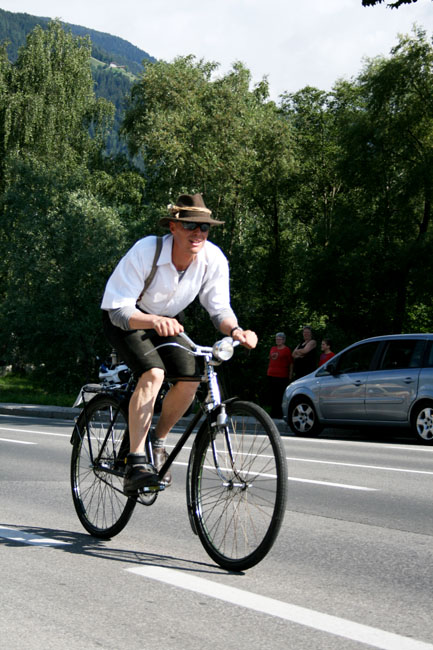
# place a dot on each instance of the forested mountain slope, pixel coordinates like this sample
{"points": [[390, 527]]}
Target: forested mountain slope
{"points": [[112, 83]]}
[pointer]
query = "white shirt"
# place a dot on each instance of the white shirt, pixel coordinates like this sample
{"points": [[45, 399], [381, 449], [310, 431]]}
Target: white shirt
{"points": [[168, 294]]}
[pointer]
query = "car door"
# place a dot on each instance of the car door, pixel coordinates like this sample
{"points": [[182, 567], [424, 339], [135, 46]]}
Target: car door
{"points": [[342, 393], [392, 387]]}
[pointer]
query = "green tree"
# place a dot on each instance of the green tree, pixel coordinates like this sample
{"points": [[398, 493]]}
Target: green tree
{"points": [[59, 237], [64, 248], [389, 143], [360, 208], [50, 103]]}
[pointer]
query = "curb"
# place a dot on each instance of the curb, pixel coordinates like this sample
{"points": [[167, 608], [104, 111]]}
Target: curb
{"points": [[39, 411], [69, 413]]}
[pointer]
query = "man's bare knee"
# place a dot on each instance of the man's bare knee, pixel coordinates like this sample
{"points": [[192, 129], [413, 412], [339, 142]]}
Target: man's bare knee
{"points": [[153, 377]]}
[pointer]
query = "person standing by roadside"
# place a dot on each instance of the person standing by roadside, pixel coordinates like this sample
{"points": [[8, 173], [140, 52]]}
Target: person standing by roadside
{"points": [[280, 373], [304, 355], [326, 351]]}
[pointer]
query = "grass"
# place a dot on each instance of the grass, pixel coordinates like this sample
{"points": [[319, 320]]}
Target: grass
{"points": [[23, 389]]}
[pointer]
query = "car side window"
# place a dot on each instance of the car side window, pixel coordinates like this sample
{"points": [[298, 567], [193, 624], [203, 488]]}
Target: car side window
{"points": [[357, 359], [429, 356], [403, 353]]}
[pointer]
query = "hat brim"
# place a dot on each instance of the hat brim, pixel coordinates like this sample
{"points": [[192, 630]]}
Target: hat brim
{"points": [[197, 218]]}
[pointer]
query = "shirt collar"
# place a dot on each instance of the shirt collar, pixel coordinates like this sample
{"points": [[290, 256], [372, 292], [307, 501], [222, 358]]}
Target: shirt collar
{"points": [[167, 246]]}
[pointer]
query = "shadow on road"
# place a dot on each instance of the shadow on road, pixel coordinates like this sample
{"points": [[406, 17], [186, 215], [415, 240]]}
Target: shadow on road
{"points": [[391, 436], [82, 544]]}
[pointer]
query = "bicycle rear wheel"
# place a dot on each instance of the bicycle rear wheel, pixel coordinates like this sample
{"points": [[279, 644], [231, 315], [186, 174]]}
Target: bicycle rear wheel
{"points": [[238, 500], [97, 493]]}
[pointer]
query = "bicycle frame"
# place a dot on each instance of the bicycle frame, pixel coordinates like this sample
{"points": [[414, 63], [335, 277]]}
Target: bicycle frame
{"points": [[212, 407]]}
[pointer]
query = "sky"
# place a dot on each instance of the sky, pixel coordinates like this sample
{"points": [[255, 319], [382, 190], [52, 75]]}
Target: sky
{"points": [[294, 43]]}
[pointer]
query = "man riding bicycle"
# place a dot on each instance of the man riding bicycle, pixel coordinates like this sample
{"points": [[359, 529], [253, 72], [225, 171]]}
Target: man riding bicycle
{"points": [[136, 322]]}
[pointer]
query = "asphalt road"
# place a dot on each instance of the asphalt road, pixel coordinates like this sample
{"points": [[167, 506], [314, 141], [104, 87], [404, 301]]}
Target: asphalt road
{"points": [[351, 568]]}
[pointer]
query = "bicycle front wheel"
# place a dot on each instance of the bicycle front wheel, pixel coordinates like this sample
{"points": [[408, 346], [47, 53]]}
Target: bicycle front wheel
{"points": [[96, 478], [239, 486]]}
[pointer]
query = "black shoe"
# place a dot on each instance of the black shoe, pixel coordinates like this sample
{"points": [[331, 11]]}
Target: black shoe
{"points": [[139, 474], [160, 455]]}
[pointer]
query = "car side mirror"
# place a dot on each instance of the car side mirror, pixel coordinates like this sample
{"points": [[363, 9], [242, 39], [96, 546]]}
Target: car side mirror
{"points": [[332, 368]]}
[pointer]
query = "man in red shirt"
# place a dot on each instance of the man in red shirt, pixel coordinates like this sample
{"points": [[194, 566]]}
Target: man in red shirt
{"points": [[280, 373]]}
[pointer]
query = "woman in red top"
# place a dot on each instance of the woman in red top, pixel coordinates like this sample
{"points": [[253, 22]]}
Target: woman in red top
{"points": [[280, 372]]}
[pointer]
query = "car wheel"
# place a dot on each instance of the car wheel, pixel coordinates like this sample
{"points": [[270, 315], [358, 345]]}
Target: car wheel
{"points": [[422, 423], [303, 418]]}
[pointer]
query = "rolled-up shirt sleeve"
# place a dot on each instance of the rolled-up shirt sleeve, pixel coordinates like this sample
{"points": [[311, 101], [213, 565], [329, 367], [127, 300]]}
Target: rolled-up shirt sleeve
{"points": [[120, 316], [215, 292]]}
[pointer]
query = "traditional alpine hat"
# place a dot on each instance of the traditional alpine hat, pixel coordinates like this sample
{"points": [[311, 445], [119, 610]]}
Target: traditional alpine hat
{"points": [[189, 207]]}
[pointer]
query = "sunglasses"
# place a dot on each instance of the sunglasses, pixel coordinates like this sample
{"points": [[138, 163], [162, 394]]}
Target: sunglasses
{"points": [[192, 225]]}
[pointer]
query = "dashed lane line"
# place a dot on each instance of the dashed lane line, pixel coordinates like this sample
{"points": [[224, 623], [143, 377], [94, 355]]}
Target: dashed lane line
{"points": [[344, 486], [384, 468], [18, 442], [291, 478], [41, 433], [22, 537]]}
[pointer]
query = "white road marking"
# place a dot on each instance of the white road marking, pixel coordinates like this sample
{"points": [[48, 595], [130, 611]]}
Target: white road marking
{"points": [[41, 433], [29, 538], [304, 480], [332, 462], [381, 467], [299, 480], [18, 442], [310, 618], [329, 484]]}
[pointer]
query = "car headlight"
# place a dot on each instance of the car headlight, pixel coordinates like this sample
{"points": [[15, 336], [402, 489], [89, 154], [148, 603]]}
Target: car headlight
{"points": [[223, 350]]}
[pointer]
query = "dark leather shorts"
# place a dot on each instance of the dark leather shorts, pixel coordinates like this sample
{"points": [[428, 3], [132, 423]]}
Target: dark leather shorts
{"points": [[137, 349]]}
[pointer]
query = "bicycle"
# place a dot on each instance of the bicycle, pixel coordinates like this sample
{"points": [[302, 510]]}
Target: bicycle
{"points": [[236, 481]]}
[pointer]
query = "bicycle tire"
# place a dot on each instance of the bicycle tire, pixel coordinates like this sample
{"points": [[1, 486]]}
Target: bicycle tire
{"points": [[238, 525], [98, 496]]}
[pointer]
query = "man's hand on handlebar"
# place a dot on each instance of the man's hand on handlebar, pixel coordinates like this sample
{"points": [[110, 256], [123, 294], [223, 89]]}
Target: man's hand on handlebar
{"points": [[165, 326], [247, 338]]}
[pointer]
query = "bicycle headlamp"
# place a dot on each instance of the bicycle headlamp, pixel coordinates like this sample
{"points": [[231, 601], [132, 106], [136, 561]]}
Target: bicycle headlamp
{"points": [[223, 350]]}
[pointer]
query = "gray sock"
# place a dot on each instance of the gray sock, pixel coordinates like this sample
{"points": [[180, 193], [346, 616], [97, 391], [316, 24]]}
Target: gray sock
{"points": [[158, 443]]}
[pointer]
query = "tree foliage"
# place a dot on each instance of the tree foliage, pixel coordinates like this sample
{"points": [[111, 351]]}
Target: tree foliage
{"points": [[57, 239], [393, 5], [326, 198]]}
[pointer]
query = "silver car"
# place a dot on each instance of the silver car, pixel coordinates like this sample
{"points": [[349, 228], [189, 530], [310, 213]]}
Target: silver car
{"points": [[381, 381]]}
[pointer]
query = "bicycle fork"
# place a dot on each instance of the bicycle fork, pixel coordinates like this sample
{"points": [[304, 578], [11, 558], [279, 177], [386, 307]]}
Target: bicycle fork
{"points": [[221, 426]]}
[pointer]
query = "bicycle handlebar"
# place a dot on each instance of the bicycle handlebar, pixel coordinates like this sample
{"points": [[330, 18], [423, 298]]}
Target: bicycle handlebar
{"points": [[186, 338], [221, 350]]}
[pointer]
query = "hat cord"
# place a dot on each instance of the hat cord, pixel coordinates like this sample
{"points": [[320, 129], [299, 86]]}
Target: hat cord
{"points": [[175, 209]]}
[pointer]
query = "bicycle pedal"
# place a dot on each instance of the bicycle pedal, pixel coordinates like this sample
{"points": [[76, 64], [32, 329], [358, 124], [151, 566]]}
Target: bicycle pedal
{"points": [[152, 488]]}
